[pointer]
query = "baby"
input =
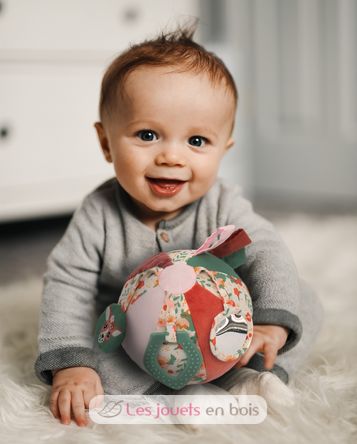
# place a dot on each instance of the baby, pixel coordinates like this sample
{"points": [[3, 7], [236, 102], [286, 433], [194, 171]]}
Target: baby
{"points": [[167, 111]]}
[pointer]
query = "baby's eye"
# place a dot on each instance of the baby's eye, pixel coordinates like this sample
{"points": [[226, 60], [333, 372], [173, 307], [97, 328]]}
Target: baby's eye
{"points": [[146, 135], [197, 141]]}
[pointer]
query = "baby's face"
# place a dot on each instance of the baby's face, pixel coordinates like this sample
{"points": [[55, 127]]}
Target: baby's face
{"points": [[167, 139]]}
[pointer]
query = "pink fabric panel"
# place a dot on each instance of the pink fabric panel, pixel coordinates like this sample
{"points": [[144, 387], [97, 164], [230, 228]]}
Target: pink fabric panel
{"points": [[177, 278], [141, 319], [216, 238]]}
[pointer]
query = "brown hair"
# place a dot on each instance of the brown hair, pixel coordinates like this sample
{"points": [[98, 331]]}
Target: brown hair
{"points": [[169, 49]]}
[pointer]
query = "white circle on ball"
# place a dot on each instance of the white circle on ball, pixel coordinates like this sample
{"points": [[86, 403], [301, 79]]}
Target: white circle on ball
{"points": [[177, 278]]}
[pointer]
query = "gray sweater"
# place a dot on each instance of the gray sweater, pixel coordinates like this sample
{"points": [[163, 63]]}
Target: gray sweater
{"points": [[104, 242]]}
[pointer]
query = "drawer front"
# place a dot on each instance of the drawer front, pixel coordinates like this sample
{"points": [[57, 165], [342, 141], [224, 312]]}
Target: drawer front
{"points": [[82, 25], [46, 123]]}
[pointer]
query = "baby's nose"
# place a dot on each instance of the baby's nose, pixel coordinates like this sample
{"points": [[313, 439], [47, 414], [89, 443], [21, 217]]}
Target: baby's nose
{"points": [[171, 154]]}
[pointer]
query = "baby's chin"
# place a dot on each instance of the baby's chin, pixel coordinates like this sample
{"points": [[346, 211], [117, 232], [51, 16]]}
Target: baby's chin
{"points": [[170, 204], [149, 209]]}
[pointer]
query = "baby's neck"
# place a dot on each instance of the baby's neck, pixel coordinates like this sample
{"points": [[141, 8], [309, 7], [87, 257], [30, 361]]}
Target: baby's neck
{"points": [[149, 218], [153, 223]]}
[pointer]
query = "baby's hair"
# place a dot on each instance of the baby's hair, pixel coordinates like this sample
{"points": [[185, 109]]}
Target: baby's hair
{"points": [[175, 49]]}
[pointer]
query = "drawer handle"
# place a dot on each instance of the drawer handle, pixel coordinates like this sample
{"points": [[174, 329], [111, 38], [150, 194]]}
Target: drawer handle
{"points": [[4, 132], [131, 14]]}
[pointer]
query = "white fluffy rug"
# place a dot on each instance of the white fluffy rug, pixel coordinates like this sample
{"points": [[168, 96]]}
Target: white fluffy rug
{"points": [[325, 250]]}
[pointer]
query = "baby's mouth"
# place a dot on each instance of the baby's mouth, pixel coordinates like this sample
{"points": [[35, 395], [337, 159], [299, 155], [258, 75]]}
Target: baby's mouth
{"points": [[165, 187], [166, 183]]}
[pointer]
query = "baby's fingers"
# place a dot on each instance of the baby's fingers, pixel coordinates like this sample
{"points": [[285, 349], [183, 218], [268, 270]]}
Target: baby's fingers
{"points": [[54, 404], [88, 395], [78, 407], [270, 352], [64, 405], [255, 346]]}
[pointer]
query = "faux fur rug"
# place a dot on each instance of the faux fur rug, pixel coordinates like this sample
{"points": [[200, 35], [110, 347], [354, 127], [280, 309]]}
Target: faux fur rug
{"points": [[325, 250]]}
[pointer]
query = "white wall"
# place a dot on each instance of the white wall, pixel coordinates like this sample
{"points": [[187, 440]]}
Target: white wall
{"points": [[304, 120]]}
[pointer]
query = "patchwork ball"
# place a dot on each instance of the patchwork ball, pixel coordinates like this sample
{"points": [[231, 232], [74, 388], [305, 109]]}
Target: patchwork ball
{"points": [[184, 316]]}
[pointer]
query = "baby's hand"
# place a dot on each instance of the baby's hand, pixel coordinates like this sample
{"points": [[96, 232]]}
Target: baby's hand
{"points": [[72, 390], [267, 339]]}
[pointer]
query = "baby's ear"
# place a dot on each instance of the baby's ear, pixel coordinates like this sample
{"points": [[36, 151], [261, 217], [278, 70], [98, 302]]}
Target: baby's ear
{"points": [[230, 143], [103, 140]]}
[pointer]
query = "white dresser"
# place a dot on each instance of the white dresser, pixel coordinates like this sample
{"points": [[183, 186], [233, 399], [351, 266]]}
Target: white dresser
{"points": [[52, 58]]}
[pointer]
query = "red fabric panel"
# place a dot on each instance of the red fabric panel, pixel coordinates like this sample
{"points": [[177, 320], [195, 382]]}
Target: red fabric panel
{"points": [[235, 242], [204, 306], [162, 260]]}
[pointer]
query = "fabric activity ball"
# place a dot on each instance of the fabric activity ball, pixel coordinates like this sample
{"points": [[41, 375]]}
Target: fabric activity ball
{"points": [[185, 317]]}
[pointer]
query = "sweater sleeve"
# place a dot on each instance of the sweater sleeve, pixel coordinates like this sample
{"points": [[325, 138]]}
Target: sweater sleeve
{"points": [[269, 272], [67, 316]]}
